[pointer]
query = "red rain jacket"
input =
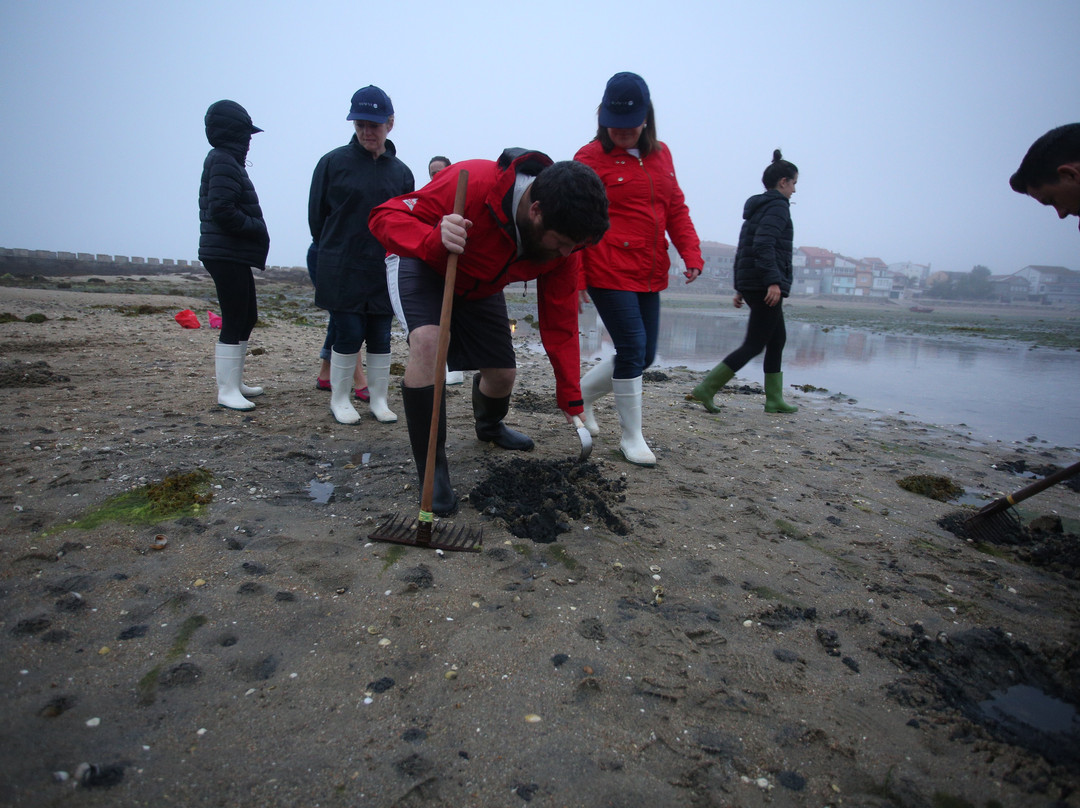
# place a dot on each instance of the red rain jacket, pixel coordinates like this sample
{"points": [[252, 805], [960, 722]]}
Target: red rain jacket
{"points": [[644, 201], [409, 225]]}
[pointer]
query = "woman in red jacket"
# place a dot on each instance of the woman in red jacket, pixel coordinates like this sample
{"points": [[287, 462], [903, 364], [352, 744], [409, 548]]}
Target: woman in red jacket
{"points": [[625, 273]]}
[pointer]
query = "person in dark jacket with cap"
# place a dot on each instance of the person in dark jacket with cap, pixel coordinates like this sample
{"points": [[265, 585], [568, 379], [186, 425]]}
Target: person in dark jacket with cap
{"points": [[351, 280], [762, 281], [232, 240]]}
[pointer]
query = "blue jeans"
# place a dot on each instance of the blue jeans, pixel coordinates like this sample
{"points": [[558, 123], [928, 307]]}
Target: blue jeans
{"points": [[353, 329], [632, 319]]}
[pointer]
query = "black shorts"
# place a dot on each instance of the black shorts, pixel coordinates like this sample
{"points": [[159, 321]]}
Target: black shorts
{"points": [[479, 329]]}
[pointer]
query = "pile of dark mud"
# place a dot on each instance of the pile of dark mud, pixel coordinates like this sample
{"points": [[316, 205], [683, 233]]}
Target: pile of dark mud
{"points": [[1042, 542], [993, 686], [536, 499]]}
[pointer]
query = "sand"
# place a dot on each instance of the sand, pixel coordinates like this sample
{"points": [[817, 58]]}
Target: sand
{"points": [[769, 619]]}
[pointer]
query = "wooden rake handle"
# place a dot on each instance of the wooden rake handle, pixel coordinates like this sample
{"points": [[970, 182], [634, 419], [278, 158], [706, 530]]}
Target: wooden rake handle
{"points": [[428, 493], [1030, 490]]}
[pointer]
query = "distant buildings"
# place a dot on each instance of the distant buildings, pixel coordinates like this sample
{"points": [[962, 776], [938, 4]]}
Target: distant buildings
{"points": [[818, 271]]}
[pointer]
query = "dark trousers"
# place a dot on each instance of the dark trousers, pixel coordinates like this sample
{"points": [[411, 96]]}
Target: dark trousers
{"points": [[236, 298], [632, 319], [348, 331], [764, 332]]}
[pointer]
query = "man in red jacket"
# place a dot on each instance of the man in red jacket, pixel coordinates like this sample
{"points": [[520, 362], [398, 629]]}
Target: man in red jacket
{"points": [[524, 218]]}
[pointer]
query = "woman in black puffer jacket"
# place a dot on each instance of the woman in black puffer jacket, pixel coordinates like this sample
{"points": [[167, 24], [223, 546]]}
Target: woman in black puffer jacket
{"points": [[232, 240], [762, 281]]}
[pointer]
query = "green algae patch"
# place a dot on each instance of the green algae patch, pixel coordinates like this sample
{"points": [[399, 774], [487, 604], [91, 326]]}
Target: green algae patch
{"points": [[559, 555], [183, 636], [931, 485], [146, 687], [179, 494], [786, 528], [141, 309], [393, 554]]}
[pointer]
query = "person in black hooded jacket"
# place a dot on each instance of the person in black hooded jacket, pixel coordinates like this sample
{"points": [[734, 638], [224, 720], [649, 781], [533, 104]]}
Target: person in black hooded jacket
{"points": [[762, 281], [233, 239]]}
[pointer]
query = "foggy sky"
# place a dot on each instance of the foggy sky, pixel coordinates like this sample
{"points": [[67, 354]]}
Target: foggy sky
{"points": [[905, 119]]}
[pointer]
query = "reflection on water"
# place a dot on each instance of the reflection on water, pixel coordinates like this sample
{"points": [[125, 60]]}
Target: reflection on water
{"points": [[1000, 391], [1031, 706], [320, 492]]}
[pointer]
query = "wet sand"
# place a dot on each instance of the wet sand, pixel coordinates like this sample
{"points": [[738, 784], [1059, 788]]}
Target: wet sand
{"points": [[769, 619]]}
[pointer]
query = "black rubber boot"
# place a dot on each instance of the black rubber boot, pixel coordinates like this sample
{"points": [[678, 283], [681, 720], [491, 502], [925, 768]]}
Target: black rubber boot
{"points": [[489, 413], [418, 402]]}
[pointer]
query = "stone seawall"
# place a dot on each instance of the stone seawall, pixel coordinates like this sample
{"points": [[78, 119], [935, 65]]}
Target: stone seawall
{"points": [[27, 263]]}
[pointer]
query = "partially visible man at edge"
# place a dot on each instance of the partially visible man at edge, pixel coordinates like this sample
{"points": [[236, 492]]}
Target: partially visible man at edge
{"points": [[1050, 171], [524, 218]]}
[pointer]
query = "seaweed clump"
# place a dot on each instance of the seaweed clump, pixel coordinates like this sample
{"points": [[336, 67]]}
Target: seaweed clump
{"points": [[931, 485], [178, 494]]}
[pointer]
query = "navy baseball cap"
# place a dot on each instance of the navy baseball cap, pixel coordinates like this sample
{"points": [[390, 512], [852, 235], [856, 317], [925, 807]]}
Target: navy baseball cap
{"points": [[626, 102], [370, 104]]}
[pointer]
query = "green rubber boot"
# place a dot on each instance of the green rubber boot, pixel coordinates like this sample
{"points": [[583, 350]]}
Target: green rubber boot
{"points": [[713, 381], [774, 394]]}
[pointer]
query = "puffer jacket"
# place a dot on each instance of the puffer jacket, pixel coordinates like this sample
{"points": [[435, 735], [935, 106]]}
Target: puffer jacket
{"points": [[231, 225], [763, 256], [409, 225], [347, 183], [644, 202]]}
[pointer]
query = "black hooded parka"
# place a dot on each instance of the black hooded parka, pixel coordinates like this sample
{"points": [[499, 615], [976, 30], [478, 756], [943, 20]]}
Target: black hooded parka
{"points": [[231, 225], [763, 256]]}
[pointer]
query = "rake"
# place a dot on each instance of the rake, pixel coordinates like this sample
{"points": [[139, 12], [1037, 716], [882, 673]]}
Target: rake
{"points": [[423, 531], [998, 522]]}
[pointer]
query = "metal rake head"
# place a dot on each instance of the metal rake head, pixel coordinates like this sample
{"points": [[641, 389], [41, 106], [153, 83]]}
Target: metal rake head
{"points": [[438, 536], [999, 527]]}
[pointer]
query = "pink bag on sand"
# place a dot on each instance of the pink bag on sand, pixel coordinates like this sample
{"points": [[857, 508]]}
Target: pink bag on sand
{"points": [[187, 319], [215, 321]]}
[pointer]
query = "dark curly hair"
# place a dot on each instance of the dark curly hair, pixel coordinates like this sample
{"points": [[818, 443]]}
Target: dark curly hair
{"points": [[572, 200], [1039, 166]]}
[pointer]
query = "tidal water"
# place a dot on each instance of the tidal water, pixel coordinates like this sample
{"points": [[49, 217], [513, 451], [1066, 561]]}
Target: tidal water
{"points": [[993, 390]]}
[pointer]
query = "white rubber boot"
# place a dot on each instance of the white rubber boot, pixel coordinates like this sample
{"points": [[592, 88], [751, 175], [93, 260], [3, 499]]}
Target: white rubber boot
{"points": [[342, 367], [228, 365], [378, 382], [245, 389], [628, 404], [595, 384]]}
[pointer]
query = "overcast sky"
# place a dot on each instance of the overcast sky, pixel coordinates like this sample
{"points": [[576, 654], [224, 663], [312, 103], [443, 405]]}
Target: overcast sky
{"points": [[905, 118]]}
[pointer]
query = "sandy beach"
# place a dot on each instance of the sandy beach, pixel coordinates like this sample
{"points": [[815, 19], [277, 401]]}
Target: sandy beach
{"points": [[765, 618]]}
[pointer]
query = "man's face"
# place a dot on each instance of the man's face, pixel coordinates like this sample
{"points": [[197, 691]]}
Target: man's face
{"points": [[539, 244], [1063, 195], [372, 136]]}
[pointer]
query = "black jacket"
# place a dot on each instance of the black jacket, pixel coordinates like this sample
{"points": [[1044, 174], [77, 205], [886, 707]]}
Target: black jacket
{"points": [[348, 182], [763, 256], [231, 224]]}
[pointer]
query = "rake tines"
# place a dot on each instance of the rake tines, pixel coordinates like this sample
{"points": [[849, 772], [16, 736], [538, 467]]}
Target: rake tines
{"points": [[437, 535], [997, 527]]}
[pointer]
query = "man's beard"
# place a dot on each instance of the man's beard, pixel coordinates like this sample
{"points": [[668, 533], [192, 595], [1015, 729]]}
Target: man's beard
{"points": [[531, 248]]}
